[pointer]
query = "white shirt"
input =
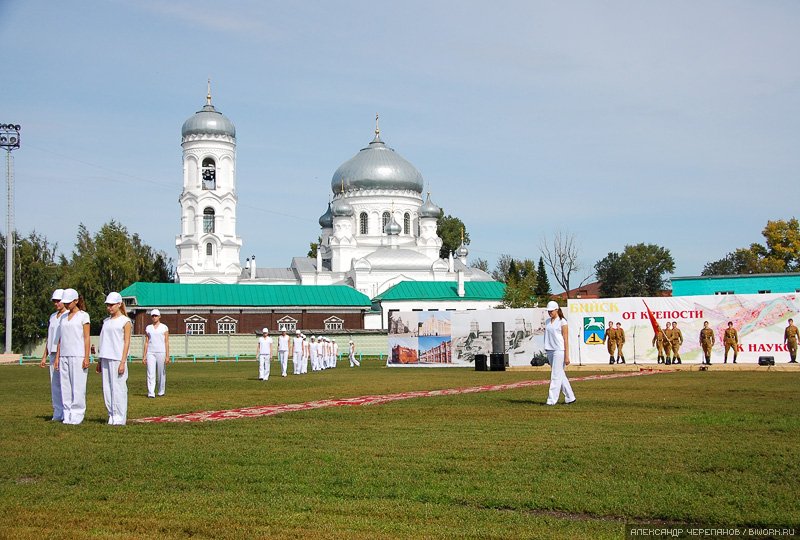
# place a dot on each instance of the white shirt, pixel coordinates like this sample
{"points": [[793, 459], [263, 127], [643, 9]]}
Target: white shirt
{"points": [[298, 345], [553, 338], [112, 337], [71, 334], [265, 345], [53, 333], [156, 338], [283, 343]]}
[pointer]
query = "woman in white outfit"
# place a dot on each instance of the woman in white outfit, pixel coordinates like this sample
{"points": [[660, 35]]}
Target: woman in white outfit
{"points": [[352, 355], [49, 355], [264, 354], [72, 356], [556, 345], [155, 354], [115, 341]]}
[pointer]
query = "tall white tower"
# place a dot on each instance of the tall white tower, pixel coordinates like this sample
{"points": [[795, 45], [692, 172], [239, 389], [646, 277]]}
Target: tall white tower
{"points": [[208, 248]]}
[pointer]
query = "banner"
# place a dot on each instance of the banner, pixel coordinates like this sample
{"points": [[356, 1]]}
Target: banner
{"points": [[760, 320]]}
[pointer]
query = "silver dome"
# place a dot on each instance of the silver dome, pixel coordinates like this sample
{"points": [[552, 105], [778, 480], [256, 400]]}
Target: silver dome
{"points": [[376, 167], [342, 208], [429, 210], [462, 251], [393, 228], [208, 121], [326, 219]]}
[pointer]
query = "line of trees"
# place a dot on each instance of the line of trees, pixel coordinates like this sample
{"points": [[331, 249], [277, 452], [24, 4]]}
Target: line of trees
{"points": [[109, 260]]}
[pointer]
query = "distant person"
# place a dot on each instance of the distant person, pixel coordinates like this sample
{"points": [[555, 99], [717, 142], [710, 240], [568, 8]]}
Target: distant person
{"points": [[790, 340], [72, 356], [676, 341], [731, 341], [283, 352], [49, 355], [668, 343], [264, 354], [115, 341], [707, 341], [620, 343], [155, 354], [659, 342], [610, 340], [556, 345], [352, 354], [297, 353]]}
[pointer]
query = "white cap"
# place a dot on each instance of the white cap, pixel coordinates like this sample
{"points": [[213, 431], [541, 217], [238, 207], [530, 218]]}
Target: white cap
{"points": [[351, 341], [552, 305], [57, 294], [69, 295], [297, 332], [265, 330], [113, 298], [154, 312]]}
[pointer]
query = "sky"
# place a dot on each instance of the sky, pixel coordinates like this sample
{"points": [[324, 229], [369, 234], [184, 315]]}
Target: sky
{"points": [[616, 122]]}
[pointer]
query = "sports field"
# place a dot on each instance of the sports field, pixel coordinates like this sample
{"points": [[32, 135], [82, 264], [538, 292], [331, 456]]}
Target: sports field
{"points": [[712, 448]]}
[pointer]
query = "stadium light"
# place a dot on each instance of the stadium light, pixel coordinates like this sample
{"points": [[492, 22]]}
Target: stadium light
{"points": [[9, 139]]}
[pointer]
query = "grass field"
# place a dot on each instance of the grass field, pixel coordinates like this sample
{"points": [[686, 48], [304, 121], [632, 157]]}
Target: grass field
{"points": [[704, 448]]}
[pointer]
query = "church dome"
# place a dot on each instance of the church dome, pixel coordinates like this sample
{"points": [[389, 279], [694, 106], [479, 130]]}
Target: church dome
{"points": [[342, 208], [208, 121], [393, 228], [429, 210], [377, 167], [462, 251], [326, 219]]}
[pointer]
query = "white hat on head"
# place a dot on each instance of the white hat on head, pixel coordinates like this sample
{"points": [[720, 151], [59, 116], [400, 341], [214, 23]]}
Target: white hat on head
{"points": [[155, 313], [265, 330], [297, 332], [113, 298], [552, 305], [57, 294], [69, 295]]}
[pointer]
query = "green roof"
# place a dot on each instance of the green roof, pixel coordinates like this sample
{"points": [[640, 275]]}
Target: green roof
{"points": [[444, 290], [183, 294]]}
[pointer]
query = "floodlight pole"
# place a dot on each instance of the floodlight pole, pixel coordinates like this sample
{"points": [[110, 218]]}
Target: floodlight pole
{"points": [[9, 139]]}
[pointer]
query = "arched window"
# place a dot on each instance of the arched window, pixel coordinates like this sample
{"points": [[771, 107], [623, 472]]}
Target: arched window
{"points": [[208, 220], [209, 249], [407, 223], [363, 223], [384, 221], [209, 174]]}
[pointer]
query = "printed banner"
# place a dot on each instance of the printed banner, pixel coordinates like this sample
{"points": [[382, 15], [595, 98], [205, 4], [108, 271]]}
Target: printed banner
{"points": [[759, 320]]}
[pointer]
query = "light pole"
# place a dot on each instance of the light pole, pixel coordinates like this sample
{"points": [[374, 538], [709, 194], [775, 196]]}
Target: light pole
{"points": [[9, 139]]}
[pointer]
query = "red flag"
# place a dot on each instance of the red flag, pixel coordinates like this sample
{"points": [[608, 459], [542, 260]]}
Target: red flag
{"points": [[653, 321]]}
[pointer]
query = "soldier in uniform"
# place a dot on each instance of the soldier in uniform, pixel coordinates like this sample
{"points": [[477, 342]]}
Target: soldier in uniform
{"points": [[668, 343], [790, 340], [659, 342], [677, 341], [620, 343], [610, 340], [707, 341], [731, 340]]}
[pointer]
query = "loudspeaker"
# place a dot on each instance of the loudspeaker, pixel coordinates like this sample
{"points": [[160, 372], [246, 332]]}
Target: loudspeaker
{"points": [[497, 361], [498, 337], [766, 360], [480, 362]]}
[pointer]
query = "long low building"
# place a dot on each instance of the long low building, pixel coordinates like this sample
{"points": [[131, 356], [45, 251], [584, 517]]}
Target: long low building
{"points": [[237, 309]]}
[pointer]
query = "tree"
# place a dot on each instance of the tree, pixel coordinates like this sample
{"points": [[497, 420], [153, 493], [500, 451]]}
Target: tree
{"points": [[481, 264], [561, 257], [500, 272], [450, 229], [542, 290], [781, 253], [520, 285], [638, 271], [312, 248]]}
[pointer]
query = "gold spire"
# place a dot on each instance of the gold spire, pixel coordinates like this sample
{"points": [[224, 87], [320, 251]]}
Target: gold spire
{"points": [[462, 235], [208, 96]]}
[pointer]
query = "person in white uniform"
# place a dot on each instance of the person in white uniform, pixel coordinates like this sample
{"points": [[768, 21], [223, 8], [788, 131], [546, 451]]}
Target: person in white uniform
{"points": [[264, 354], [334, 352], [155, 354], [556, 345], [49, 355], [313, 351], [72, 356], [352, 354], [115, 341], [297, 353], [306, 354], [283, 352]]}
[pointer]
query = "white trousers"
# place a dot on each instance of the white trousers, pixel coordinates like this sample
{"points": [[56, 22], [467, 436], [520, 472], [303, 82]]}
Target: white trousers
{"points": [[263, 367], [73, 388], [296, 360], [353, 360], [558, 379], [304, 367], [156, 368], [115, 390], [283, 356], [55, 390]]}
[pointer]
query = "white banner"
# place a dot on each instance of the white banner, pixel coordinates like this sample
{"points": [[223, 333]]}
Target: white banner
{"points": [[760, 320]]}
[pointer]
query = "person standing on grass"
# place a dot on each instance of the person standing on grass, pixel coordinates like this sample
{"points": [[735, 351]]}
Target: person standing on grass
{"points": [[677, 341], [790, 338], [115, 341], [620, 344], [610, 340], [283, 352], [707, 341], [49, 355], [668, 343], [352, 355], [264, 354], [155, 354], [556, 345], [72, 356], [731, 341], [297, 353]]}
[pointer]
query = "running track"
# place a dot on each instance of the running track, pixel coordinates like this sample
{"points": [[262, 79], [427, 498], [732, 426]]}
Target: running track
{"points": [[269, 410]]}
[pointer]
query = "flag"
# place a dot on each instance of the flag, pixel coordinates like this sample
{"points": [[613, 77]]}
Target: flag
{"points": [[653, 321]]}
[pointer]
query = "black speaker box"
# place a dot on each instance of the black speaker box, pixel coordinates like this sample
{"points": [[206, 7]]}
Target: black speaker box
{"points": [[497, 362], [766, 360], [480, 362]]}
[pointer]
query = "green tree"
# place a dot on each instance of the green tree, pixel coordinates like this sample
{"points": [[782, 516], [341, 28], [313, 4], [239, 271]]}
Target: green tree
{"points": [[312, 247], [780, 254], [638, 271], [542, 291], [501, 269], [450, 230], [481, 264], [520, 285]]}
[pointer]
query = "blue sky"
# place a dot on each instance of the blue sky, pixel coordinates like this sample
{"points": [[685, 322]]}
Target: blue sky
{"points": [[619, 122]]}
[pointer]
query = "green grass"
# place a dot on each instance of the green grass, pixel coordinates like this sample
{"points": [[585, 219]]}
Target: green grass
{"points": [[704, 448]]}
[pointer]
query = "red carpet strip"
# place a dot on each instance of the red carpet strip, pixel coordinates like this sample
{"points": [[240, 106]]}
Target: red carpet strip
{"points": [[269, 410]]}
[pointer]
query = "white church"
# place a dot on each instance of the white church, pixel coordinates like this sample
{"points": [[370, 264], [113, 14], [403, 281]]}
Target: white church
{"points": [[377, 231]]}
